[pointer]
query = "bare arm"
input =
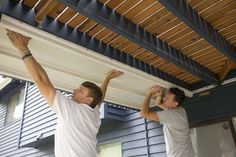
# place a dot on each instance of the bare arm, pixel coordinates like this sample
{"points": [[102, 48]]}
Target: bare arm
{"points": [[159, 99], [35, 70], [110, 75], [145, 111]]}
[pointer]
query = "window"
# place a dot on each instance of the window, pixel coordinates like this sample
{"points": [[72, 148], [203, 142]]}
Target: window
{"points": [[108, 149], [15, 106]]}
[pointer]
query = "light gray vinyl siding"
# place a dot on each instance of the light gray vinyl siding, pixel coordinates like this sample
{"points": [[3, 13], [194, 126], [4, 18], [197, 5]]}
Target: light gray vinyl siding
{"points": [[137, 136]]}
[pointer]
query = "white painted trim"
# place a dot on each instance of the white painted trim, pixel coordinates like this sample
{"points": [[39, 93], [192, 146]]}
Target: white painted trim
{"points": [[5, 82]]}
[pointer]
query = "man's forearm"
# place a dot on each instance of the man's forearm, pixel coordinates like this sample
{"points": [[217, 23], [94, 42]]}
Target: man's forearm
{"points": [[40, 78], [145, 105], [159, 102], [104, 87], [35, 70]]}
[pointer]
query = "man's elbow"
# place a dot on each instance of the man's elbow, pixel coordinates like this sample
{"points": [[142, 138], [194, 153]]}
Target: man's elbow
{"points": [[143, 114]]}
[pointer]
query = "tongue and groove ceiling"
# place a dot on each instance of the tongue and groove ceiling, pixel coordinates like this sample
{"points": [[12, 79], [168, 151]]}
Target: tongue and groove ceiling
{"points": [[189, 43]]}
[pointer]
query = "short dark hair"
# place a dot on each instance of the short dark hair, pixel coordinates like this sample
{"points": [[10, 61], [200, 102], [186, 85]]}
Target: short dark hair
{"points": [[94, 91], [179, 95]]}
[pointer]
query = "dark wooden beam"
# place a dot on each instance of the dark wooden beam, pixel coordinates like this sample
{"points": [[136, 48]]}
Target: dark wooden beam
{"points": [[188, 15], [105, 16]]}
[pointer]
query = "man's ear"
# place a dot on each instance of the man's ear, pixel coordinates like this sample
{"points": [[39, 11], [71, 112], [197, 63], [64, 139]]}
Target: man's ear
{"points": [[89, 100], [176, 104]]}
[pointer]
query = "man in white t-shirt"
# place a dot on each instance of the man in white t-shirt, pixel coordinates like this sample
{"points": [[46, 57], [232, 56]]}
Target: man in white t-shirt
{"points": [[78, 119], [174, 120]]}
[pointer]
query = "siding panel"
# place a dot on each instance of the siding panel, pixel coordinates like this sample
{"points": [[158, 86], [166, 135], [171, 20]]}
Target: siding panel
{"points": [[38, 117], [134, 137], [9, 137]]}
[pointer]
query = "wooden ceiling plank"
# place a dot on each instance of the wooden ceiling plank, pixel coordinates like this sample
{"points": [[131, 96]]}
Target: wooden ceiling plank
{"points": [[123, 44], [132, 52], [102, 34], [140, 7], [188, 37], [199, 25], [158, 63], [166, 27], [228, 28], [172, 31], [30, 3], [95, 29], [141, 55], [57, 10], [176, 31], [148, 58], [186, 41], [230, 37], [226, 24], [215, 8], [165, 21], [162, 19], [196, 3], [45, 10], [107, 35], [77, 20], [201, 53], [138, 51], [111, 37], [148, 13], [113, 4], [195, 46], [208, 57], [117, 41], [226, 18], [220, 14], [130, 48], [157, 17], [88, 24], [126, 6], [207, 5], [67, 15]]}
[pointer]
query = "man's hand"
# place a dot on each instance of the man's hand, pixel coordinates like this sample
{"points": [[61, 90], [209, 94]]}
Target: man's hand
{"points": [[110, 75], [155, 89], [19, 41], [113, 74]]}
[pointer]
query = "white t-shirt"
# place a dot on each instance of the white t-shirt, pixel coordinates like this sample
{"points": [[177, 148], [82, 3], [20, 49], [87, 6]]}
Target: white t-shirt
{"points": [[77, 128], [176, 132]]}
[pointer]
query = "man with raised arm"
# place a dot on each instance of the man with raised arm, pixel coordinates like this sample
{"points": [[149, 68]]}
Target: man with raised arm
{"points": [[174, 120], [78, 119]]}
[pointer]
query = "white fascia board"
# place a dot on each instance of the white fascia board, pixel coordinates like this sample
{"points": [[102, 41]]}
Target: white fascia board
{"points": [[68, 64]]}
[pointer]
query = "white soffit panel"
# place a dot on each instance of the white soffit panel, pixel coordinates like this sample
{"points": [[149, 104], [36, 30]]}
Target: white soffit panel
{"points": [[68, 65]]}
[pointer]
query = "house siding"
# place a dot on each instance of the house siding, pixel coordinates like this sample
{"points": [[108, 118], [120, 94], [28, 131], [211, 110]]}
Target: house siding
{"points": [[38, 117], [137, 136], [9, 136]]}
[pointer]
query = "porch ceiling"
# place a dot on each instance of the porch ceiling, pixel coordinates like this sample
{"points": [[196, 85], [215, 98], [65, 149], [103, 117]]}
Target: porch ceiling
{"points": [[184, 42]]}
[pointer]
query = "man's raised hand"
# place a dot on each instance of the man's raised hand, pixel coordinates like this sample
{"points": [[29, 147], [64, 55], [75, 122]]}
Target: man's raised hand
{"points": [[114, 74]]}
